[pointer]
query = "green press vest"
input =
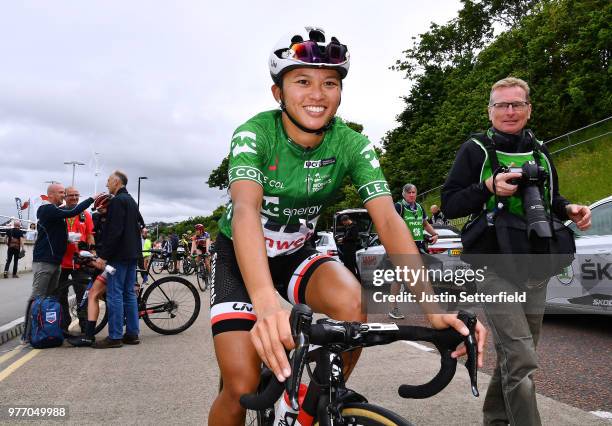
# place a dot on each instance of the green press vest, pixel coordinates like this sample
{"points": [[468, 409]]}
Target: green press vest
{"points": [[414, 220], [514, 204]]}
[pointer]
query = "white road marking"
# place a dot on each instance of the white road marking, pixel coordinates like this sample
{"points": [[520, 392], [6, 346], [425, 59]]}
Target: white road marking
{"points": [[602, 414], [418, 346]]}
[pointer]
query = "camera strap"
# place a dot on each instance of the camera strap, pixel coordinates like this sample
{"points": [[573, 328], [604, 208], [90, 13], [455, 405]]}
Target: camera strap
{"points": [[537, 157], [489, 145]]}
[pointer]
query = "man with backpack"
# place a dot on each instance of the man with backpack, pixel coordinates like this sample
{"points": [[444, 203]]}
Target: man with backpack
{"points": [[50, 247]]}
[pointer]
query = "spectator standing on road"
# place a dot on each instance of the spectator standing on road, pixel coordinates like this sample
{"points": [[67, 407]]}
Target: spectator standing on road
{"points": [[82, 224], [474, 182], [146, 253], [415, 218], [121, 247], [437, 217], [31, 233], [174, 244], [50, 245], [14, 244], [350, 242]]}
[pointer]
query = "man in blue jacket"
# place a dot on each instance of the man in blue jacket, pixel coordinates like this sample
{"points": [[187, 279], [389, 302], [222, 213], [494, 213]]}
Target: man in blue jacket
{"points": [[50, 244], [121, 246]]}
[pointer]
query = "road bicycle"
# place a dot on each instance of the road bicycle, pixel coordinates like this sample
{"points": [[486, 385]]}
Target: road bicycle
{"points": [[191, 264], [169, 305], [162, 261], [327, 400], [188, 264]]}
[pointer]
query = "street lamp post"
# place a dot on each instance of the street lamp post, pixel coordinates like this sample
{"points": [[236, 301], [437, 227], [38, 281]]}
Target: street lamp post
{"points": [[74, 164], [139, 179]]}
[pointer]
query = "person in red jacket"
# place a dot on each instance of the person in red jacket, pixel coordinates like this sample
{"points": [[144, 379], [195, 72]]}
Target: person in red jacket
{"points": [[83, 225]]}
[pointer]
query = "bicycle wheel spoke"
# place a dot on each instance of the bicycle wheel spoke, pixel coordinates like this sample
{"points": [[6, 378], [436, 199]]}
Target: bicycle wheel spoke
{"points": [[175, 306]]}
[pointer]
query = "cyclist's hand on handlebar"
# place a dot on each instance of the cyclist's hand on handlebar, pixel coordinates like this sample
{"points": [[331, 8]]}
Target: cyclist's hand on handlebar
{"points": [[271, 335], [441, 321]]}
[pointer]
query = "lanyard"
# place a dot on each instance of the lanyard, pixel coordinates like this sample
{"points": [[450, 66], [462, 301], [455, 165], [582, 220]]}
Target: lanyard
{"points": [[414, 212]]}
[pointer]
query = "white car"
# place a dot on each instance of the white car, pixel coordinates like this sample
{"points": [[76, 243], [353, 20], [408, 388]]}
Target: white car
{"points": [[586, 285], [449, 241], [445, 253], [327, 245]]}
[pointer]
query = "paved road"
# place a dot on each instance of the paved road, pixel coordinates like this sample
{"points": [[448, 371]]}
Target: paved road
{"points": [[173, 379], [14, 293], [575, 357]]}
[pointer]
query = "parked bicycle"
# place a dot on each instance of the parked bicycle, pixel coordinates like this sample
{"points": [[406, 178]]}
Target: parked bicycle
{"points": [[327, 400], [169, 305]]}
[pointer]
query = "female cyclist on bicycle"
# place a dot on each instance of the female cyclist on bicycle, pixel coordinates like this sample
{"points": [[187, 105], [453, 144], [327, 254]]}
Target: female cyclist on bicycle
{"points": [[200, 244], [284, 165]]}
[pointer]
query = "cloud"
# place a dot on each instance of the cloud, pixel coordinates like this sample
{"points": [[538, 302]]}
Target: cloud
{"points": [[158, 88]]}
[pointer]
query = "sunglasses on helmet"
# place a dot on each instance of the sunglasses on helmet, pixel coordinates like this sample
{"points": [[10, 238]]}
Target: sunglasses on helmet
{"points": [[311, 53]]}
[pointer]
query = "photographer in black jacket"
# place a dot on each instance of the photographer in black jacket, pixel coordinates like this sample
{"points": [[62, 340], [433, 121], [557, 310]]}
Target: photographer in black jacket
{"points": [[480, 184], [121, 246]]}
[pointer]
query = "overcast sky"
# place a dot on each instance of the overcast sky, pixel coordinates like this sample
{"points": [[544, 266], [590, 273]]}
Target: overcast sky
{"points": [[158, 87]]}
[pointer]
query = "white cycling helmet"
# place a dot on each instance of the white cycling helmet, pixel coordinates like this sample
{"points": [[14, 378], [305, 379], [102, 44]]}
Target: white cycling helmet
{"points": [[308, 48]]}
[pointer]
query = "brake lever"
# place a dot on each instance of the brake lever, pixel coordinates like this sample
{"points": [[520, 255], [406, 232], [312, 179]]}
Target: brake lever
{"points": [[300, 320], [471, 347]]}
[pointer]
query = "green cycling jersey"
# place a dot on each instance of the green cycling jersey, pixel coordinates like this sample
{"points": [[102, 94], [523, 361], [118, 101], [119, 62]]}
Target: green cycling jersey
{"points": [[297, 182]]}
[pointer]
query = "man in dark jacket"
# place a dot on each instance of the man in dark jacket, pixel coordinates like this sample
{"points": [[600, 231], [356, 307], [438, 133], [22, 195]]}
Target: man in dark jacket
{"points": [[121, 246], [476, 186], [50, 244]]}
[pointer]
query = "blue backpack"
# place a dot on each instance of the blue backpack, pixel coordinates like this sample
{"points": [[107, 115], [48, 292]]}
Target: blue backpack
{"points": [[46, 317]]}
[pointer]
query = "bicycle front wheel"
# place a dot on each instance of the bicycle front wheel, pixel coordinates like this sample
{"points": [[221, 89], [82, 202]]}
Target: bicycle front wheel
{"points": [[363, 414], [202, 276], [170, 305]]}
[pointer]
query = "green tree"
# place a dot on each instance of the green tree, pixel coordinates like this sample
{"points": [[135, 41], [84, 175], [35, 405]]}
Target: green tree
{"points": [[218, 178], [560, 47]]}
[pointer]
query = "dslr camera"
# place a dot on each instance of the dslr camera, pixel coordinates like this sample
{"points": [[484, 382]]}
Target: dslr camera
{"points": [[531, 180]]}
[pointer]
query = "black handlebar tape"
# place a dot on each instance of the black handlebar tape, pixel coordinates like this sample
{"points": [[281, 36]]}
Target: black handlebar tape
{"points": [[324, 334], [292, 384], [469, 319], [264, 399], [448, 366], [445, 341], [300, 321]]}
